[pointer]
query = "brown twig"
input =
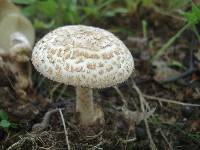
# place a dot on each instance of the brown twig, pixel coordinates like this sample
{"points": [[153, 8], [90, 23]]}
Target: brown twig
{"points": [[121, 95], [166, 140], [170, 101], [45, 121], [142, 101]]}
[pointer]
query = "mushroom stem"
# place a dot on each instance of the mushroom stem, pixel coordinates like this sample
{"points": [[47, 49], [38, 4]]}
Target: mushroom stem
{"points": [[85, 105]]}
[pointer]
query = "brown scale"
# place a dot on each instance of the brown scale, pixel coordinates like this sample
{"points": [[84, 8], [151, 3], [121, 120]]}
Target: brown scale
{"points": [[107, 55], [67, 66], [75, 69], [116, 52], [50, 71], [58, 68], [101, 64], [50, 58], [66, 55], [59, 53], [51, 51], [78, 69], [101, 72], [109, 68], [58, 72], [91, 66], [81, 59], [94, 56]]}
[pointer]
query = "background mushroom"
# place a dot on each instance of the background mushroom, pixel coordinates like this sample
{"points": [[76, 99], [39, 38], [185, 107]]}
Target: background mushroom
{"points": [[16, 44], [85, 57], [19, 34]]}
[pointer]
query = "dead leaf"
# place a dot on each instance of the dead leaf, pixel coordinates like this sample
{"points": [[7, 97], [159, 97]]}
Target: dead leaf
{"points": [[135, 117], [163, 72], [195, 126], [168, 120]]}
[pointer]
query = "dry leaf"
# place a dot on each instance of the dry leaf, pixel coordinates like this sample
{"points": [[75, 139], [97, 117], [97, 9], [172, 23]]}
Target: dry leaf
{"points": [[195, 126], [168, 120], [163, 72], [135, 117]]}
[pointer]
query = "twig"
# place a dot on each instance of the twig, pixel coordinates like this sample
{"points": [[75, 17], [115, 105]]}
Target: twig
{"points": [[54, 89], [131, 140], [142, 101], [121, 95], [166, 140], [135, 86], [65, 129], [170, 101], [45, 121], [17, 144], [97, 146], [39, 83]]}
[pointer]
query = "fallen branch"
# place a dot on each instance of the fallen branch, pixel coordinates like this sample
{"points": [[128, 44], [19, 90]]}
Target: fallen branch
{"points": [[170, 101]]}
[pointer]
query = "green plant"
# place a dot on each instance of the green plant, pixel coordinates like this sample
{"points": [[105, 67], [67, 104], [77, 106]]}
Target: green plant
{"points": [[92, 8], [4, 122], [155, 120], [47, 14], [50, 13], [132, 5], [192, 19], [53, 13]]}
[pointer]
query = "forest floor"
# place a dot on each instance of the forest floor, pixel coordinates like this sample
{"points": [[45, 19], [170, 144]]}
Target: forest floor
{"points": [[166, 87]]}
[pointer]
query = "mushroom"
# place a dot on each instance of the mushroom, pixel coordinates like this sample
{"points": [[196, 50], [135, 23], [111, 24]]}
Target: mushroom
{"points": [[16, 42], [18, 32], [87, 58], [7, 7]]}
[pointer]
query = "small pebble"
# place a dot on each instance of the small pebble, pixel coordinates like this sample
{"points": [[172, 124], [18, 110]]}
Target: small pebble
{"points": [[140, 133], [187, 111]]}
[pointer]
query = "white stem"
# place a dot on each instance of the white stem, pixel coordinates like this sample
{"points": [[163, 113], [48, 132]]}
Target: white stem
{"points": [[85, 105]]}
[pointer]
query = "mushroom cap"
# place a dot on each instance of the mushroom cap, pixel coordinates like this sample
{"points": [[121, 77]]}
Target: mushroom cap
{"points": [[12, 24], [83, 56], [7, 7]]}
